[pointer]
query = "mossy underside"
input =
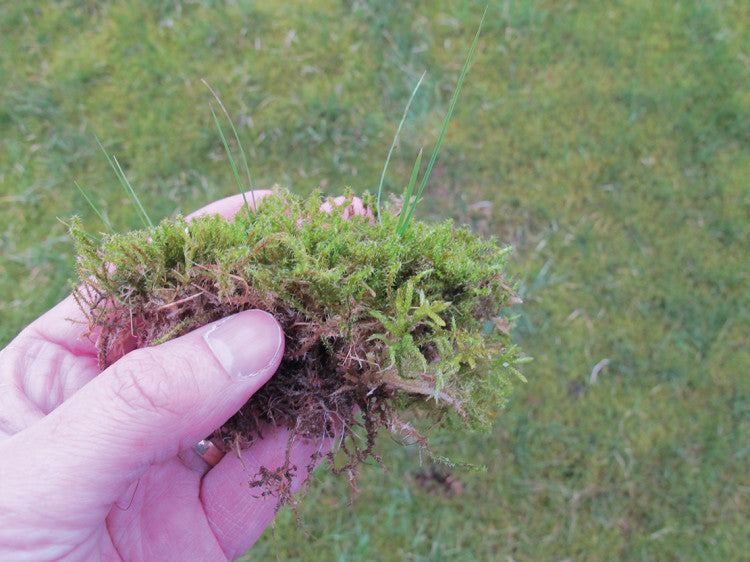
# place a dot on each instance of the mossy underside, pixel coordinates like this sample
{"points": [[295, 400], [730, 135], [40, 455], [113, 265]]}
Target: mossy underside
{"points": [[376, 324]]}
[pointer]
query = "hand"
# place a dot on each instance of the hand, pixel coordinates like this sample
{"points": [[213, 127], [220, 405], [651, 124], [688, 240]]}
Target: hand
{"points": [[101, 465]]}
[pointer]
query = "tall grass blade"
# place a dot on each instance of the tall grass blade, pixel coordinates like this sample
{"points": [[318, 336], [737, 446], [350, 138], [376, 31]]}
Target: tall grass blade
{"points": [[134, 196], [445, 124], [91, 204], [401, 226], [231, 161], [395, 138], [115, 165], [239, 144]]}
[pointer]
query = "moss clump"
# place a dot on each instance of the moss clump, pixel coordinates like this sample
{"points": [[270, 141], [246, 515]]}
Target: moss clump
{"points": [[376, 324]]}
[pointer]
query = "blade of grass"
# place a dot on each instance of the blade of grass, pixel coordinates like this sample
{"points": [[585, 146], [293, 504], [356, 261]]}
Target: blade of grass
{"points": [[231, 162], [401, 226], [145, 219], [395, 138], [445, 125], [132, 192], [239, 144], [91, 204]]}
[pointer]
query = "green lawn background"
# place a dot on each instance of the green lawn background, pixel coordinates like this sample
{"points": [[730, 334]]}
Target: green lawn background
{"points": [[609, 142]]}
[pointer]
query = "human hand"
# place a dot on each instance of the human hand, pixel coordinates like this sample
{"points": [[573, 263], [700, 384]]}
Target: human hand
{"points": [[101, 466]]}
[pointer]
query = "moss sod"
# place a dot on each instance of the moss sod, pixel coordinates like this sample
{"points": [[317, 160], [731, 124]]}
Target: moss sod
{"points": [[375, 322]]}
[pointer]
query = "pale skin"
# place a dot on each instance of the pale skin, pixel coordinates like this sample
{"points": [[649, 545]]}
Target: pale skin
{"points": [[100, 466]]}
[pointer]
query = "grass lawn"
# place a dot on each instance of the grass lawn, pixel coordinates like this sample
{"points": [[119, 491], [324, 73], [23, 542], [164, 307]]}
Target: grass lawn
{"points": [[609, 142]]}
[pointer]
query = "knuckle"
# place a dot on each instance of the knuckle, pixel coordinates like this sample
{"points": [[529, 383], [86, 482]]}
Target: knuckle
{"points": [[145, 384]]}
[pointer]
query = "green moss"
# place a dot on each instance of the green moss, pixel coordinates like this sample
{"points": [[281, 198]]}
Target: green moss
{"points": [[375, 322]]}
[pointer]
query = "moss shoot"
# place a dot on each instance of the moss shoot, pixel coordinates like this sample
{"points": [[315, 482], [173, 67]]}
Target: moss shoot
{"points": [[382, 330]]}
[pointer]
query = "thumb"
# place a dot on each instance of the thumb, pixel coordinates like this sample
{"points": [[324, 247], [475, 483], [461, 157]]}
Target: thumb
{"points": [[147, 407]]}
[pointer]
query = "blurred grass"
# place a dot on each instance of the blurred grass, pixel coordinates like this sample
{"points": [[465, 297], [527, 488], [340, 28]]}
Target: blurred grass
{"points": [[609, 142]]}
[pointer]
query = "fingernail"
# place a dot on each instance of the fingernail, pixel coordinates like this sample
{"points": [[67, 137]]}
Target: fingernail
{"points": [[248, 344]]}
